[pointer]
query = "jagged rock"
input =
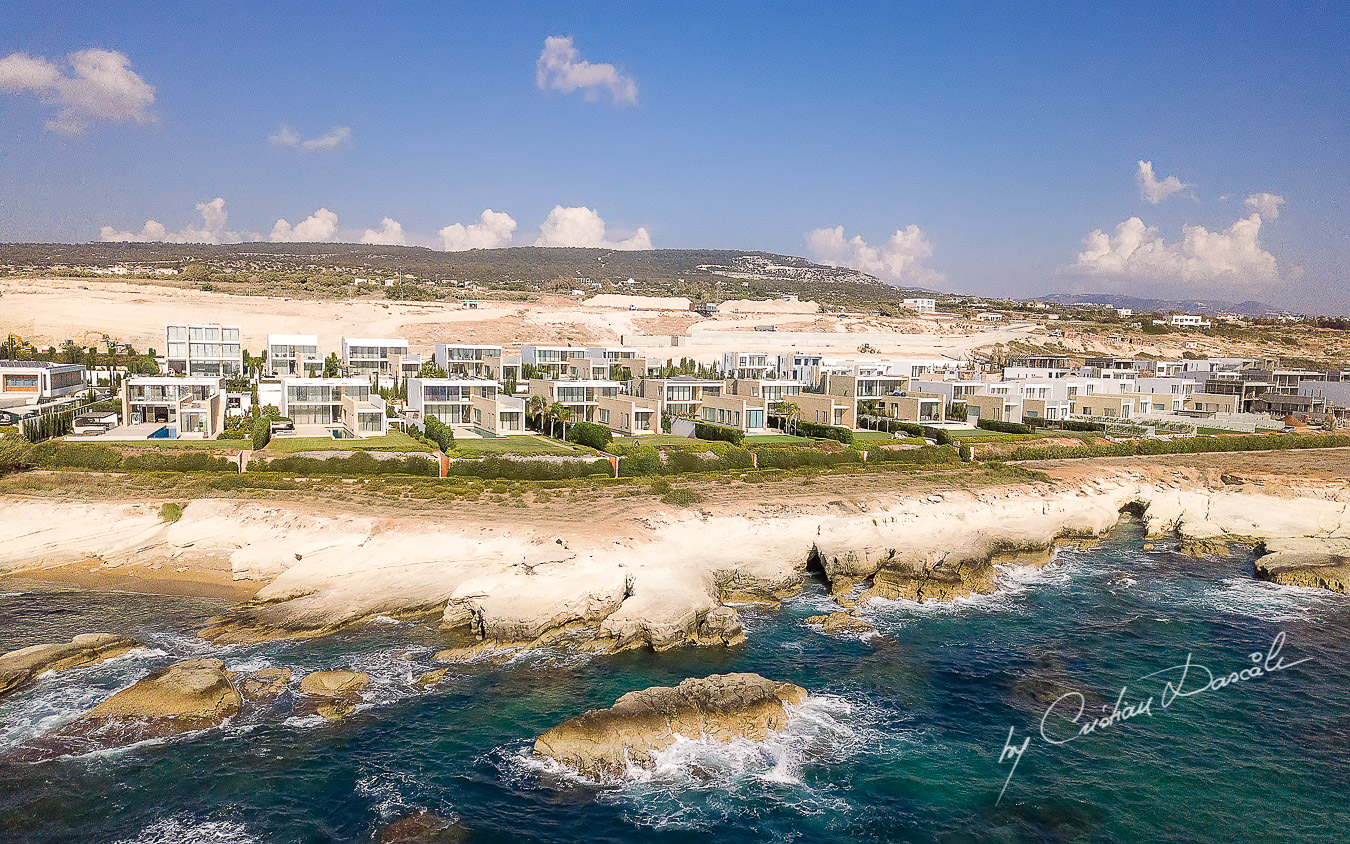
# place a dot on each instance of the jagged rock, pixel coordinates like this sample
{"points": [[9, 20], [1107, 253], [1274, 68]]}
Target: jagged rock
{"points": [[723, 707], [265, 684], [422, 828], [18, 668], [841, 622], [338, 690], [1309, 569], [721, 626], [1197, 547]]}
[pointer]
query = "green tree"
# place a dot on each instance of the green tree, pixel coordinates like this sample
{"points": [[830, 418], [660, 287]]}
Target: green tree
{"points": [[332, 367], [430, 369]]}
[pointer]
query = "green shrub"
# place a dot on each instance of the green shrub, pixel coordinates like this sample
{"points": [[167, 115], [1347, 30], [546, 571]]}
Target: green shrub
{"points": [[102, 458], [709, 431], [526, 469], [590, 435], [926, 456], [803, 456], [825, 432], [1003, 427], [439, 433], [1184, 445], [644, 461], [262, 433], [15, 454], [681, 497], [357, 463], [170, 512]]}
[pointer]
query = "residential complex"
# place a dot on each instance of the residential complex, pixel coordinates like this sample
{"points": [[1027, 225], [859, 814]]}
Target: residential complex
{"points": [[212, 349], [293, 354], [36, 381]]}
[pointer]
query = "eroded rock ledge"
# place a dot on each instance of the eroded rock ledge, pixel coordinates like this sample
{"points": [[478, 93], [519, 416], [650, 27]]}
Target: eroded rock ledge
{"points": [[723, 707], [18, 668]]}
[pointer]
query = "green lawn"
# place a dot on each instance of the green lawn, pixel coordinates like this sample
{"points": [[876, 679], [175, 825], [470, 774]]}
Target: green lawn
{"points": [[777, 439], [983, 434], [656, 441], [394, 441], [871, 435], [523, 444]]}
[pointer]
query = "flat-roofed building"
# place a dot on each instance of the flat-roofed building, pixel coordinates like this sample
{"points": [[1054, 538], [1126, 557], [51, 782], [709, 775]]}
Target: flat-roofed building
{"points": [[549, 361], [206, 349], [35, 381], [192, 407], [294, 354], [748, 364], [370, 356], [580, 396], [467, 360], [680, 395], [339, 405]]}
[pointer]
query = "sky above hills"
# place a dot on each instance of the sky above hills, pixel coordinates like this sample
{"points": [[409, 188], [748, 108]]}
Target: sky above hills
{"points": [[1179, 150]]}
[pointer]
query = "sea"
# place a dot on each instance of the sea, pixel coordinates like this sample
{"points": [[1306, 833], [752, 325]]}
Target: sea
{"points": [[1117, 695]]}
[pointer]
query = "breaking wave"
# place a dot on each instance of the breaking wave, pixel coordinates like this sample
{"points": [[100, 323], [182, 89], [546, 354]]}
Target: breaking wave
{"points": [[189, 830]]}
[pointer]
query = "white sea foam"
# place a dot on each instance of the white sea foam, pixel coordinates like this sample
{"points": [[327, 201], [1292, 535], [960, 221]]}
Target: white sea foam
{"points": [[184, 829], [696, 781], [388, 790], [1256, 599], [1010, 582]]}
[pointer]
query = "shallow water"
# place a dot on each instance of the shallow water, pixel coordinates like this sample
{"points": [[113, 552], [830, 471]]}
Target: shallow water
{"points": [[900, 740]]}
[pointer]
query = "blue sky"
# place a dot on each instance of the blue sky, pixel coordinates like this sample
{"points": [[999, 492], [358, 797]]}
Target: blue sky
{"points": [[967, 147]]}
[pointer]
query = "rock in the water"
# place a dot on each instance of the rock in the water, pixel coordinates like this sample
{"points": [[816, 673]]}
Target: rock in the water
{"points": [[422, 828], [339, 691], [1310, 569], [431, 678], [266, 684], [192, 695], [20, 667], [724, 707], [841, 622], [721, 626]]}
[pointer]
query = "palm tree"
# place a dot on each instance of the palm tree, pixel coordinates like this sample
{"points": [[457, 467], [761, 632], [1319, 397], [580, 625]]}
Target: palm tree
{"points": [[536, 408], [790, 412], [559, 413]]}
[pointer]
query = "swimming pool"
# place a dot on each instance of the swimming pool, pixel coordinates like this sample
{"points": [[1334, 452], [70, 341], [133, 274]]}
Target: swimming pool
{"points": [[165, 433]]}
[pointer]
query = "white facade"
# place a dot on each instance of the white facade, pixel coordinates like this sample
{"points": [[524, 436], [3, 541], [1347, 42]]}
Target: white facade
{"points": [[922, 305], [346, 404], [293, 354], [203, 349], [372, 355], [32, 381], [1188, 321]]}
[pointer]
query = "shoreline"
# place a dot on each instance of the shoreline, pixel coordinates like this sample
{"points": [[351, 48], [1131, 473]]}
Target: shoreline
{"points": [[635, 576]]}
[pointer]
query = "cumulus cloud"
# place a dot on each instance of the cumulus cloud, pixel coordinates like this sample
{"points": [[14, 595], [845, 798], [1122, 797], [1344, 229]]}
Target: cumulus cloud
{"points": [[390, 233], [100, 85], [1154, 190], [1265, 204], [1203, 261], [212, 229], [561, 68], [318, 227], [900, 260], [494, 229], [287, 137], [581, 226]]}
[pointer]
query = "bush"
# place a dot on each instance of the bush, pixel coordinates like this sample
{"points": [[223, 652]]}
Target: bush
{"points": [[262, 432], [170, 512], [15, 454], [356, 464], [795, 458], [681, 497], [938, 435], [591, 435], [1187, 445], [101, 458], [709, 431], [1003, 427], [825, 432], [643, 461], [525, 469], [439, 433], [1063, 424], [926, 456]]}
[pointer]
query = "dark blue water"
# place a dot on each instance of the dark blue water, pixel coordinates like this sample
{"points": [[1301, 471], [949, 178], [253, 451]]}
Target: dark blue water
{"points": [[900, 742]]}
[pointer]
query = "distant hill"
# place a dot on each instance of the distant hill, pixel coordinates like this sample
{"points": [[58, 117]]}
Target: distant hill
{"points": [[1193, 306], [734, 272]]}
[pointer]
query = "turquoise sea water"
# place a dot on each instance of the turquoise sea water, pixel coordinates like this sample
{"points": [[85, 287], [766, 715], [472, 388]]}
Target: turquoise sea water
{"points": [[900, 741]]}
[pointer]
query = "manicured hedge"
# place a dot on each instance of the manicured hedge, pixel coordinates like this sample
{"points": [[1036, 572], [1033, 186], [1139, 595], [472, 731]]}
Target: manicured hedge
{"points": [[797, 457], [356, 464], [709, 431], [590, 435], [1003, 427], [102, 458], [1064, 424], [1181, 445], [507, 468], [643, 462], [926, 456], [824, 432]]}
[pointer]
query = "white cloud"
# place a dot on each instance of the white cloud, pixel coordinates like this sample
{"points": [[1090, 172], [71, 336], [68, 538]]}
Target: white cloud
{"points": [[1265, 204], [581, 226], [561, 68], [900, 260], [390, 233], [1203, 261], [101, 86], [493, 230], [1153, 190], [317, 227], [212, 229], [285, 136]]}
